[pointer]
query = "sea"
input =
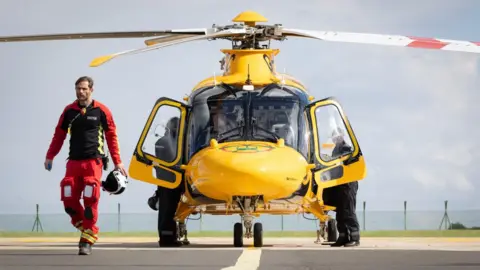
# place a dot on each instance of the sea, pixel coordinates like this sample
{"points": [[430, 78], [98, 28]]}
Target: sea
{"points": [[130, 222]]}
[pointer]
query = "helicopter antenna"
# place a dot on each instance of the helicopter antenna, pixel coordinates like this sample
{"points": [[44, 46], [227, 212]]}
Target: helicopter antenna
{"points": [[283, 78], [248, 81], [215, 79]]}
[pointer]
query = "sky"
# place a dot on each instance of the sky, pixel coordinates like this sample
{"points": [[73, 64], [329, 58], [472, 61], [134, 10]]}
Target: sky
{"points": [[413, 110]]}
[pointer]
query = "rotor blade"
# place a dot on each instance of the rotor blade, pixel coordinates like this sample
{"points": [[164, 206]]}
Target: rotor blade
{"points": [[103, 59], [99, 35], [208, 32], [391, 40], [153, 41]]}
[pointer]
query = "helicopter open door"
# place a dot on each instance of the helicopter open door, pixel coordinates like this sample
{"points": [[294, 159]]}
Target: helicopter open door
{"points": [[158, 155], [338, 157]]}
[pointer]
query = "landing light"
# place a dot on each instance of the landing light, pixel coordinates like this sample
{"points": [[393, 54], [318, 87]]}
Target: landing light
{"points": [[248, 87]]}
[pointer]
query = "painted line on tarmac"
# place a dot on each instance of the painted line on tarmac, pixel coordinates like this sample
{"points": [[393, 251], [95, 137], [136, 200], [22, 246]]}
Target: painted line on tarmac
{"points": [[248, 260]]}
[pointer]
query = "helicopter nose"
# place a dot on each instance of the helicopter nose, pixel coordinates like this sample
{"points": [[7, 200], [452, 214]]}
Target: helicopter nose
{"points": [[247, 169]]}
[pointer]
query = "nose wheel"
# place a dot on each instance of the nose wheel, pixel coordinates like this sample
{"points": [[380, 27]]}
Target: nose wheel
{"points": [[257, 233], [238, 235]]}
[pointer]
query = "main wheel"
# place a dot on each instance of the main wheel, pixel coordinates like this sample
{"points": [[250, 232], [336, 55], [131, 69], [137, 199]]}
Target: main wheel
{"points": [[238, 235], [332, 230], [257, 235]]}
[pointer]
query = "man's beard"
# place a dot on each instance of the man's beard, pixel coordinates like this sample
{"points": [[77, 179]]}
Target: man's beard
{"points": [[82, 98]]}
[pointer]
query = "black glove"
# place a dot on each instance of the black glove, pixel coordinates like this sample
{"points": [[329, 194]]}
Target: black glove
{"points": [[105, 161]]}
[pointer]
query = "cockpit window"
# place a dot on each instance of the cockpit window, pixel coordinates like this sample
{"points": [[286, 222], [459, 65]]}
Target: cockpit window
{"points": [[216, 114], [226, 113], [226, 120], [275, 116]]}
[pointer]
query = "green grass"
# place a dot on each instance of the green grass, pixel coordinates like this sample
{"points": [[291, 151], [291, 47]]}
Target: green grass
{"points": [[419, 233]]}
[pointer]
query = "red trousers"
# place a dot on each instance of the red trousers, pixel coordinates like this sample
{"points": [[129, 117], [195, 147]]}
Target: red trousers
{"points": [[83, 176]]}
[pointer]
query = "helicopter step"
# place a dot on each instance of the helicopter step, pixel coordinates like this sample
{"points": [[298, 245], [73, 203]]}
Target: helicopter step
{"points": [[256, 231]]}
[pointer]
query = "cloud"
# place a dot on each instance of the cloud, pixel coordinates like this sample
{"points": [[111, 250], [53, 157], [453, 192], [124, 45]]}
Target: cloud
{"points": [[427, 179], [441, 179], [440, 131]]}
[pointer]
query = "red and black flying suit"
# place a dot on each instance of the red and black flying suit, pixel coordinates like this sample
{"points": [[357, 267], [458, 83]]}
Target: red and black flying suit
{"points": [[86, 127]]}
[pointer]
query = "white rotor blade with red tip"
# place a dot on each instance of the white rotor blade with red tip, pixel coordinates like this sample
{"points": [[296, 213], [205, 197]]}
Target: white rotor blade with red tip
{"points": [[390, 40]]}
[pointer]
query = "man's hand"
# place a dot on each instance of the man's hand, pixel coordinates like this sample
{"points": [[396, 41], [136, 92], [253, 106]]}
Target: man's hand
{"points": [[121, 168], [48, 164]]}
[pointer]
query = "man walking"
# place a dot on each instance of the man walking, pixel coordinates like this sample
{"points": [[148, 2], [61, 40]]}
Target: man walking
{"points": [[87, 121]]}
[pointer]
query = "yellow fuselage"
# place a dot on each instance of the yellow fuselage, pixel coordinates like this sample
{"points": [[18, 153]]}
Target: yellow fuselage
{"points": [[222, 171]]}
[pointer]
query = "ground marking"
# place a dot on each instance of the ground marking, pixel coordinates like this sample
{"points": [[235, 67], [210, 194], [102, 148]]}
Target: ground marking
{"points": [[248, 260]]}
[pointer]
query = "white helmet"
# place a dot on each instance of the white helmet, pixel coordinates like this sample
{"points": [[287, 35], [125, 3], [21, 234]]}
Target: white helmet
{"points": [[115, 183]]}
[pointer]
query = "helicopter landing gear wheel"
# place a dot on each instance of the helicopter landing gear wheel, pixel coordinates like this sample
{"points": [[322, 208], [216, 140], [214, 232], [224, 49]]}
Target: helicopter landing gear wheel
{"points": [[332, 232], [238, 235], [321, 233], [182, 233], [258, 235]]}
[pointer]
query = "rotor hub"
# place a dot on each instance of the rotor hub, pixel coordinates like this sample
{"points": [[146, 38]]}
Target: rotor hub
{"points": [[250, 37]]}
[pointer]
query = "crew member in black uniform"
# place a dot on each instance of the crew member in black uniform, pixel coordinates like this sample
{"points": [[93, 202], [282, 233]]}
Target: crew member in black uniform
{"points": [[345, 199], [166, 200]]}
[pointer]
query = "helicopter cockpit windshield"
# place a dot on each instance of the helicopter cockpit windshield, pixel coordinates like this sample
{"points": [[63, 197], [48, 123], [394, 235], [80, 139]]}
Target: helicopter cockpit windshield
{"points": [[227, 114]]}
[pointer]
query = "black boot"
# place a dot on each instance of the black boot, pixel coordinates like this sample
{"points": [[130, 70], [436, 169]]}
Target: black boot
{"points": [[354, 239], [169, 241], [169, 237], [342, 240], [84, 248], [352, 243]]}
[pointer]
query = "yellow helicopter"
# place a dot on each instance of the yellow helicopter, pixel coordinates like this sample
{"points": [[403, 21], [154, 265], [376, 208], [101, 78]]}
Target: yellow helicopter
{"points": [[250, 141]]}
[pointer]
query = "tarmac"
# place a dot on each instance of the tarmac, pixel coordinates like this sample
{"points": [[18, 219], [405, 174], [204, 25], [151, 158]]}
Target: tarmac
{"points": [[219, 254]]}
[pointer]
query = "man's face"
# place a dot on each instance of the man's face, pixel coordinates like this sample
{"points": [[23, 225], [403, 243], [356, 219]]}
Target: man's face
{"points": [[83, 91], [219, 122], [172, 128], [337, 139]]}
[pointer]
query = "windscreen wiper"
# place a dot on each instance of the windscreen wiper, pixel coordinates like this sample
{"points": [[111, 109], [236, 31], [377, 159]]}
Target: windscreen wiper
{"points": [[273, 134], [223, 136]]}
